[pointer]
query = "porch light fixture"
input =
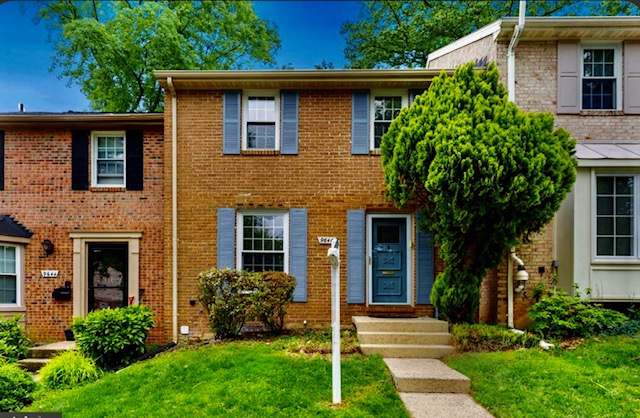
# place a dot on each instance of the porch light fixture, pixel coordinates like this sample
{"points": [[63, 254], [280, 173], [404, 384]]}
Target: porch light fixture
{"points": [[47, 246]]}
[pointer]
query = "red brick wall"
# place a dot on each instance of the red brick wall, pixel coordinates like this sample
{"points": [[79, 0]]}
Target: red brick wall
{"points": [[209, 180], [38, 194]]}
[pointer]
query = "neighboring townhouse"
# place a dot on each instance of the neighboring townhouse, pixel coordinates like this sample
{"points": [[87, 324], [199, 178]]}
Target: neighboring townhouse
{"points": [[585, 70], [81, 217], [268, 164]]}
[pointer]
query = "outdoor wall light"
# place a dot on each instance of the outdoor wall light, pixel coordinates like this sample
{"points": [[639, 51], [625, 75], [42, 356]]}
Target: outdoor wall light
{"points": [[47, 246]]}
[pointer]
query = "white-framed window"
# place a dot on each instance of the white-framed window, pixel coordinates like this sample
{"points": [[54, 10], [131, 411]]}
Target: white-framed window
{"points": [[601, 85], [261, 124], [108, 159], [10, 275], [385, 107], [263, 241], [616, 229]]}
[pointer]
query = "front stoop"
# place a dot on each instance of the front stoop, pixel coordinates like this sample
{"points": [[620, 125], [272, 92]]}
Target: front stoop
{"points": [[41, 355], [404, 337]]}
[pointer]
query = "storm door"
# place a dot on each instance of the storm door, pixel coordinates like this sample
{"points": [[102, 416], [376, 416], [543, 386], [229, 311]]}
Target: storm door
{"points": [[108, 266]]}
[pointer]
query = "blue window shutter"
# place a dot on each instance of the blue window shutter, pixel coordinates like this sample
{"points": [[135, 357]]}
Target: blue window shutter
{"points": [[231, 123], [298, 252], [360, 122], [355, 256], [135, 159], [425, 257], [226, 237], [289, 127], [1, 160], [80, 160]]}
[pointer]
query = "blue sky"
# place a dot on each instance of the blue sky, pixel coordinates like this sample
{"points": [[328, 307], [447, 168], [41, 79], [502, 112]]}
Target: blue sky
{"points": [[309, 30]]}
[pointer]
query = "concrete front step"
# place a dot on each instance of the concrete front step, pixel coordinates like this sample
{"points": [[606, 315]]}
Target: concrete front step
{"points": [[426, 376], [413, 338], [442, 405], [422, 324], [51, 350], [407, 350], [33, 364]]}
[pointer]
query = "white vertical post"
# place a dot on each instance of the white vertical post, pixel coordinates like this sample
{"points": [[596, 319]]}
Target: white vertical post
{"points": [[334, 258]]}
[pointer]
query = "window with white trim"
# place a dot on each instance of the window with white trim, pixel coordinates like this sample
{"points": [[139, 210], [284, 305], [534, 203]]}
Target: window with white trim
{"points": [[10, 271], [601, 77], [385, 107], [263, 241], [261, 110], [616, 228], [109, 159]]}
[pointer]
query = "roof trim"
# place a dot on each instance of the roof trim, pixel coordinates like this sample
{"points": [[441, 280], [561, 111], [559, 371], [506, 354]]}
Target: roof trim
{"points": [[295, 79], [80, 119]]}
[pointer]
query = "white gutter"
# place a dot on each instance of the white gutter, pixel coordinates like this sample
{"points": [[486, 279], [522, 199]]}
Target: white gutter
{"points": [[511, 53], [511, 87], [174, 205]]}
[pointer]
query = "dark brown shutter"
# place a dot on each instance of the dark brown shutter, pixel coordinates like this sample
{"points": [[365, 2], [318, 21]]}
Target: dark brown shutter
{"points": [[135, 166], [80, 160]]}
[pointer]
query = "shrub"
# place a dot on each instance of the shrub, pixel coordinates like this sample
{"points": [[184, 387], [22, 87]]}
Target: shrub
{"points": [[14, 344], [113, 338], [274, 292], [559, 315], [67, 370], [226, 295], [630, 328], [483, 337], [16, 388]]}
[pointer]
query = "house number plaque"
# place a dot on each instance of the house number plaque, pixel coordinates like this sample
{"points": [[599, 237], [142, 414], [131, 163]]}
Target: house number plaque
{"points": [[49, 273], [325, 240]]}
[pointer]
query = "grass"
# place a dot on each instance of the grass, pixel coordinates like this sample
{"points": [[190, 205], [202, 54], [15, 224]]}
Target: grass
{"points": [[600, 378], [243, 379]]}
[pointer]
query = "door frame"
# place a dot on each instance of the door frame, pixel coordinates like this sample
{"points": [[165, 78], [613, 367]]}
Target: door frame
{"points": [[81, 240], [409, 257]]}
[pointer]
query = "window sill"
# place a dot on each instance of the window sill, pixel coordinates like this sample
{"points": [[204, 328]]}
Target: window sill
{"points": [[12, 308], [601, 113], [615, 262], [259, 152], [107, 189], [374, 152]]}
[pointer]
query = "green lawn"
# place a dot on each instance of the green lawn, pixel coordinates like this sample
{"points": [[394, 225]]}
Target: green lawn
{"points": [[244, 379], [598, 379]]}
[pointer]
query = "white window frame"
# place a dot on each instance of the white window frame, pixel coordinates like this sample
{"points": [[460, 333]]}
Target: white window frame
{"points": [[245, 117], [240, 233], [635, 256], [404, 96], [617, 69], [94, 157], [19, 277]]}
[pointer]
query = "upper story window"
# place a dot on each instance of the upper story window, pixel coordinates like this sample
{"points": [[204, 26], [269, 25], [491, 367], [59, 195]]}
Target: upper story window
{"points": [[600, 77], [385, 107], [263, 241], [109, 159], [616, 229], [261, 121], [10, 285]]}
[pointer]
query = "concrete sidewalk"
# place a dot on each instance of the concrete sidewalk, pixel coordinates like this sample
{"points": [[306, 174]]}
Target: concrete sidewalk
{"points": [[430, 388]]}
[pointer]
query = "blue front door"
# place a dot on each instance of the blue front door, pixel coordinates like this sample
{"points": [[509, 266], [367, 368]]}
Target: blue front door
{"points": [[389, 260]]}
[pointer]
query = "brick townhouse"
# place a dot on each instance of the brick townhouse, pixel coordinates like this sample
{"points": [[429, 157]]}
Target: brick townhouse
{"points": [[81, 217], [586, 71]]}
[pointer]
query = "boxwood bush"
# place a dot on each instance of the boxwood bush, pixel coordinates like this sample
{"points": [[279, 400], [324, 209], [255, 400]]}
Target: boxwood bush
{"points": [[113, 338], [231, 298], [14, 344], [559, 315], [16, 388], [67, 370]]}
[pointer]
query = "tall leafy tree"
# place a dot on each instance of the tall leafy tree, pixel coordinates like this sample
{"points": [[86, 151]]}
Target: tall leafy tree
{"points": [[110, 48], [485, 174], [390, 33]]}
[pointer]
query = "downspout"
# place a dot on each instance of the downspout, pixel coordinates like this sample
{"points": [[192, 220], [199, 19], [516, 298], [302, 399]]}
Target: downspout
{"points": [[511, 87], [174, 205]]}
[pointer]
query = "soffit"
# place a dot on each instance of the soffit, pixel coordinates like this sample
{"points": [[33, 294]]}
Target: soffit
{"points": [[553, 28], [297, 79], [79, 120]]}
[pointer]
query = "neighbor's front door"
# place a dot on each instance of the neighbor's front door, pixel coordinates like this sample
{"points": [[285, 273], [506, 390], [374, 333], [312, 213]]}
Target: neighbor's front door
{"points": [[108, 266], [389, 260]]}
